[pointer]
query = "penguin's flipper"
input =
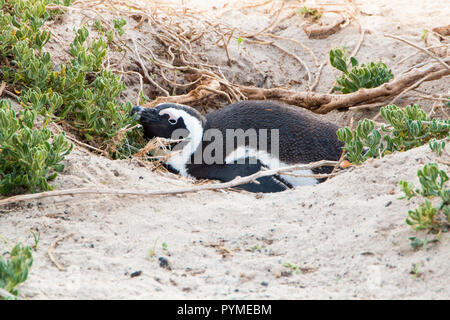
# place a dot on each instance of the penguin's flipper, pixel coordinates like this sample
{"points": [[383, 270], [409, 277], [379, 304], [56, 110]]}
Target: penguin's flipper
{"points": [[264, 184]]}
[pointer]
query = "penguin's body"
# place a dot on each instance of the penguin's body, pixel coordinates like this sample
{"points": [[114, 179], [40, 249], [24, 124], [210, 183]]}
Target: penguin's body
{"points": [[256, 135]]}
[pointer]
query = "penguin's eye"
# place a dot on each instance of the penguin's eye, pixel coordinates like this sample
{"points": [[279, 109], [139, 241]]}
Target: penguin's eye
{"points": [[173, 121]]}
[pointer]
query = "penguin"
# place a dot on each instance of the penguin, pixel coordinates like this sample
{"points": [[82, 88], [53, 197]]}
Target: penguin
{"points": [[242, 139]]}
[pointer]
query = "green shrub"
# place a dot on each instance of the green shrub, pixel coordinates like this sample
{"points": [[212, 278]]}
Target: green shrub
{"points": [[309, 13], [21, 20], [89, 92], [81, 93], [371, 75], [408, 128], [14, 271], [119, 24], [436, 146], [432, 184], [91, 106], [29, 157], [423, 217]]}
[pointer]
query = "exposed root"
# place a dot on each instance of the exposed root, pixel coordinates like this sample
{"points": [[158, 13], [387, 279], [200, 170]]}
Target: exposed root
{"points": [[324, 103], [204, 90]]}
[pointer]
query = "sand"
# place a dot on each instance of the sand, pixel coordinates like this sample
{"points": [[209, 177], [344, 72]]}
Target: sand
{"points": [[346, 237]]}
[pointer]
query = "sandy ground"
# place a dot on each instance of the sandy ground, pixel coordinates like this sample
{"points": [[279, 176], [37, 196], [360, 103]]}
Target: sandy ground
{"points": [[347, 236]]}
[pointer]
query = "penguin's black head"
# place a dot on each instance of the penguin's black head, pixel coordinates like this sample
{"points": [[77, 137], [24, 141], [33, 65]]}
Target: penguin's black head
{"points": [[170, 120]]}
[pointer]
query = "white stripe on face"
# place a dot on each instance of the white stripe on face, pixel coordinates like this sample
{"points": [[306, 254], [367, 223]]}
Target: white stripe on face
{"points": [[179, 160]]}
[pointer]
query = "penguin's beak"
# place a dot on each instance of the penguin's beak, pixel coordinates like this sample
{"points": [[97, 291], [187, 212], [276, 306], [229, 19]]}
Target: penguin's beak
{"points": [[136, 110], [147, 113]]}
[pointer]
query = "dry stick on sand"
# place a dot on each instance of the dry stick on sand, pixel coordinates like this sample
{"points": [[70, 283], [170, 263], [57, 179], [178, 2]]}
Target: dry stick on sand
{"points": [[270, 26], [415, 53], [2, 87], [308, 49], [53, 246], [292, 55], [436, 100], [421, 49], [435, 103], [216, 186], [315, 176], [308, 72], [427, 97], [248, 6], [190, 63], [319, 71]]}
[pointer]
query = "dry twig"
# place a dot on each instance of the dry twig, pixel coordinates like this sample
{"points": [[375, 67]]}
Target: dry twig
{"points": [[53, 246], [442, 62], [216, 186], [144, 69], [2, 87]]}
